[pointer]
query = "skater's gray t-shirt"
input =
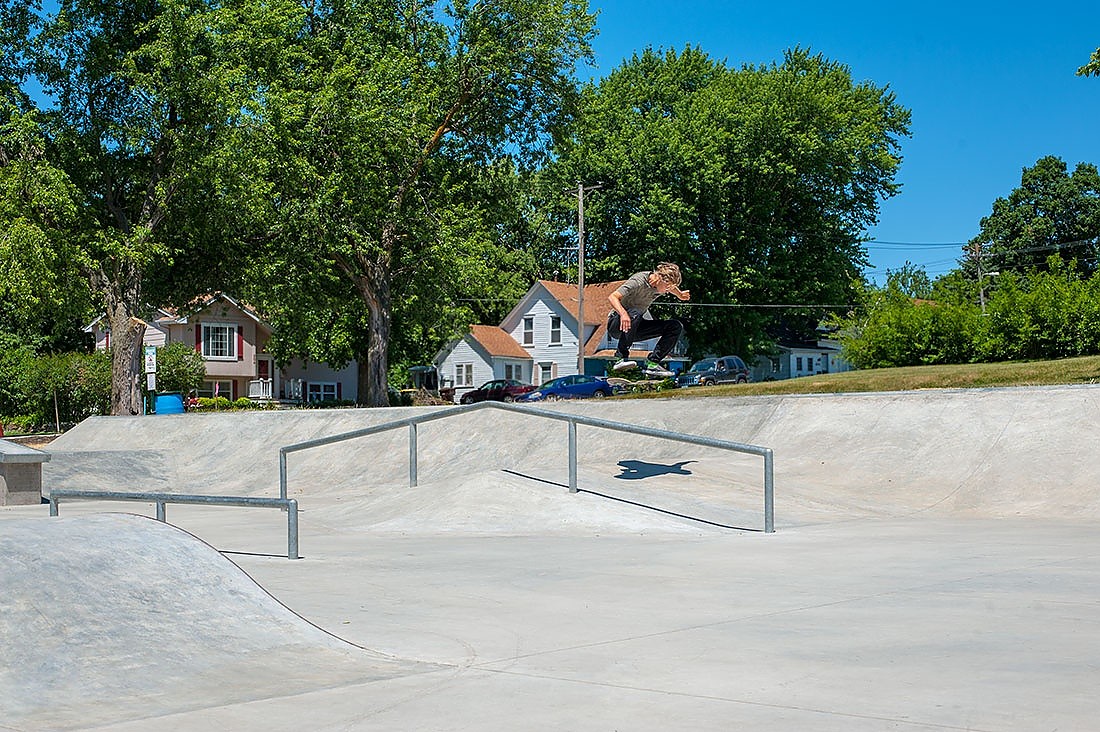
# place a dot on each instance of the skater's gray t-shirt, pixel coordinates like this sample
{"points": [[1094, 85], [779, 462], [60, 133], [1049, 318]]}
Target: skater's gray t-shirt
{"points": [[637, 293]]}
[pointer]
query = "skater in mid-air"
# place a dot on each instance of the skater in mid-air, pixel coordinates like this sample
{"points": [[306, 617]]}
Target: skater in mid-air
{"points": [[630, 319]]}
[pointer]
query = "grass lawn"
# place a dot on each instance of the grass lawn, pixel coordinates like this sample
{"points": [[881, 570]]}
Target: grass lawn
{"points": [[1081, 370]]}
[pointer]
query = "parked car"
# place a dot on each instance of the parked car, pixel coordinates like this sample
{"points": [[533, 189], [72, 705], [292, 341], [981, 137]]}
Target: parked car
{"points": [[500, 390], [570, 387], [710, 371]]}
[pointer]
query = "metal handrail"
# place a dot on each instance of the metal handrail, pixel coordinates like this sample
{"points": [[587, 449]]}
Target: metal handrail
{"points": [[160, 499], [572, 419]]}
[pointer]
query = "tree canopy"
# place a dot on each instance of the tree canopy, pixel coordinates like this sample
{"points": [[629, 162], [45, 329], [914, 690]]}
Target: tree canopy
{"points": [[144, 105], [758, 181], [1092, 68], [397, 145], [1052, 211]]}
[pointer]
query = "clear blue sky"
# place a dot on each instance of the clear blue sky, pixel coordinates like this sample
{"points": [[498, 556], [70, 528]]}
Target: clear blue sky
{"points": [[991, 85]]}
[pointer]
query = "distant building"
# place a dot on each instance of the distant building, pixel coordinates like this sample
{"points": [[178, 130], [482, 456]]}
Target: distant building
{"points": [[537, 340], [231, 338], [801, 359]]}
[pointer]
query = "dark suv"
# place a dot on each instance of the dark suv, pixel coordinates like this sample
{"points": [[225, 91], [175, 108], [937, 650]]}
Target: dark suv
{"points": [[710, 371]]}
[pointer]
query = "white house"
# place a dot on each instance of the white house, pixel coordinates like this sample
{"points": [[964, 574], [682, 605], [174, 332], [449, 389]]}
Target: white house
{"points": [[537, 340], [801, 359]]}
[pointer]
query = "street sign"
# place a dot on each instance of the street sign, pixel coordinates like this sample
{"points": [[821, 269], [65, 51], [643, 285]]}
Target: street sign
{"points": [[150, 359]]}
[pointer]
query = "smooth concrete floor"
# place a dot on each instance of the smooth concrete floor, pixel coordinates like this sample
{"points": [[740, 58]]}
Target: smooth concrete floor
{"points": [[941, 601]]}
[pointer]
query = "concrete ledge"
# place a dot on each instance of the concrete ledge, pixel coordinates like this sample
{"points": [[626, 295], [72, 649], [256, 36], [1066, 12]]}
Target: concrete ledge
{"points": [[20, 474]]}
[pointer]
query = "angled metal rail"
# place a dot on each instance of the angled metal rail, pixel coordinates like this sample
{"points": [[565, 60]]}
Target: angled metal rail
{"points": [[572, 419]]}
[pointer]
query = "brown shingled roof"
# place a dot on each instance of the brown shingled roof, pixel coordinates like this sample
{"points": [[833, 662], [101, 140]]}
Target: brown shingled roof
{"points": [[596, 306], [497, 341]]}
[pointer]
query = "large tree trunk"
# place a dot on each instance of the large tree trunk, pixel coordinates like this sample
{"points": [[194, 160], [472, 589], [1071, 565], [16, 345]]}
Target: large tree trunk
{"points": [[122, 295], [127, 335], [374, 368], [378, 343]]}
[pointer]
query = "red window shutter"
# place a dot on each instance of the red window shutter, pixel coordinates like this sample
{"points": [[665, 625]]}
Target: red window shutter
{"points": [[198, 337], [339, 390], [240, 342]]}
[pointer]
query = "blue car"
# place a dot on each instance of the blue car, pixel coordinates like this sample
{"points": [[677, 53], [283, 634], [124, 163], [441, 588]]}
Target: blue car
{"points": [[570, 387]]}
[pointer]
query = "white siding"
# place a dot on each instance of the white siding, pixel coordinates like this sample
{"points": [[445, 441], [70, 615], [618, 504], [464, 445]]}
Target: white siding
{"points": [[465, 352], [561, 356]]}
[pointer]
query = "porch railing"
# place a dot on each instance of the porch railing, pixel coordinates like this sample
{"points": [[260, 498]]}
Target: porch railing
{"points": [[259, 389]]}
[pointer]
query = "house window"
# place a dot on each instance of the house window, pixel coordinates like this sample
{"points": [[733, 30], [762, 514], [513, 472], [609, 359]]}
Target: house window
{"points": [[513, 371], [555, 330], [529, 330], [464, 374], [798, 364], [219, 341], [211, 389], [319, 391], [547, 371]]}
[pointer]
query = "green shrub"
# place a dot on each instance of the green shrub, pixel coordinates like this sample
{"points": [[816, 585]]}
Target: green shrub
{"points": [[213, 404], [179, 368]]}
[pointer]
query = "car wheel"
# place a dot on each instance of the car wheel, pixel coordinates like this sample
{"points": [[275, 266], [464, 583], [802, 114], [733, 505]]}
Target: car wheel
{"points": [[706, 382], [600, 394], [553, 397], [465, 400], [742, 380], [508, 398]]}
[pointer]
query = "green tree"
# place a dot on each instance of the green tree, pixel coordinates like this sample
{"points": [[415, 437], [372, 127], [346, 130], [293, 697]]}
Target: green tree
{"points": [[179, 368], [404, 124], [145, 108], [41, 286], [1053, 211], [1052, 312], [759, 181], [1092, 68], [899, 326]]}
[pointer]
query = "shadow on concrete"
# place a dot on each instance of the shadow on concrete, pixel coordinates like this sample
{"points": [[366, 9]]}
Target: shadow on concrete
{"points": [[639, 469], [646, 506]]}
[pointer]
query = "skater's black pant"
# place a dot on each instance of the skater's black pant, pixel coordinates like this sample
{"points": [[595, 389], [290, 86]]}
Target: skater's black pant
{"points": [[642, 330]]}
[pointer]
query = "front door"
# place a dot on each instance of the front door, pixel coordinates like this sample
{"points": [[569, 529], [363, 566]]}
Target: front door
{"points": [[266, 385]]}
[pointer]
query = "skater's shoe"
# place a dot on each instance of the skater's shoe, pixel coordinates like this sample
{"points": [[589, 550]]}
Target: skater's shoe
{"points": [[652, 368], [624, 364]]}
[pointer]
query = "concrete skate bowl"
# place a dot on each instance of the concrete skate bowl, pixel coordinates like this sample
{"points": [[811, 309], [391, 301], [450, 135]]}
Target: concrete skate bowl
{"points": [[178, 626], [973, 452]]}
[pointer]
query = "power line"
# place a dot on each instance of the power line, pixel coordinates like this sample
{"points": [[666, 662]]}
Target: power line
{"points": [[746, 305], [875, 243], [693, 304]]}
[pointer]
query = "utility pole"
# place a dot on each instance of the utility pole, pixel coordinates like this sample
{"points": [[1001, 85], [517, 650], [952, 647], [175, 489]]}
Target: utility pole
{"points": [[981, 274], [581, 190], [978, 261]]}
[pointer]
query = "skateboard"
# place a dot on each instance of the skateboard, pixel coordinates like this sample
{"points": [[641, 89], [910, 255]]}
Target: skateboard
{"points": [[627, 366]]}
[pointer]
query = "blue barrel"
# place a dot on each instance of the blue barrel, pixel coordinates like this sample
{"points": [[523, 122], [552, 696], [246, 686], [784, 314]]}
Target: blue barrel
{"points": [[170, 403]]}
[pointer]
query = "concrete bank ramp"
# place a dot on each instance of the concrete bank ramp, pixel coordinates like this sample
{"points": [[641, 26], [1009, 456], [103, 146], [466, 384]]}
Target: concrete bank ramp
{"points": [[104, 618], [966, 452]]}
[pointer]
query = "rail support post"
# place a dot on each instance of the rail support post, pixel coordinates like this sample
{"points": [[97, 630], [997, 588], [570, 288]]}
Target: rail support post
{"points": [[292, 529], [412, 455], [769, 493], [572, 456]]}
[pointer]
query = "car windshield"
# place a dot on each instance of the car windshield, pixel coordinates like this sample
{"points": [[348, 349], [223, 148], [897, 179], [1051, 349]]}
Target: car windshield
{"points": [[703, 365]]}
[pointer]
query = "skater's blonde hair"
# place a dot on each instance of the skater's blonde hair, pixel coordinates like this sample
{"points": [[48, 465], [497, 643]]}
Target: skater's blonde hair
{"points": [[669, 272]]}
